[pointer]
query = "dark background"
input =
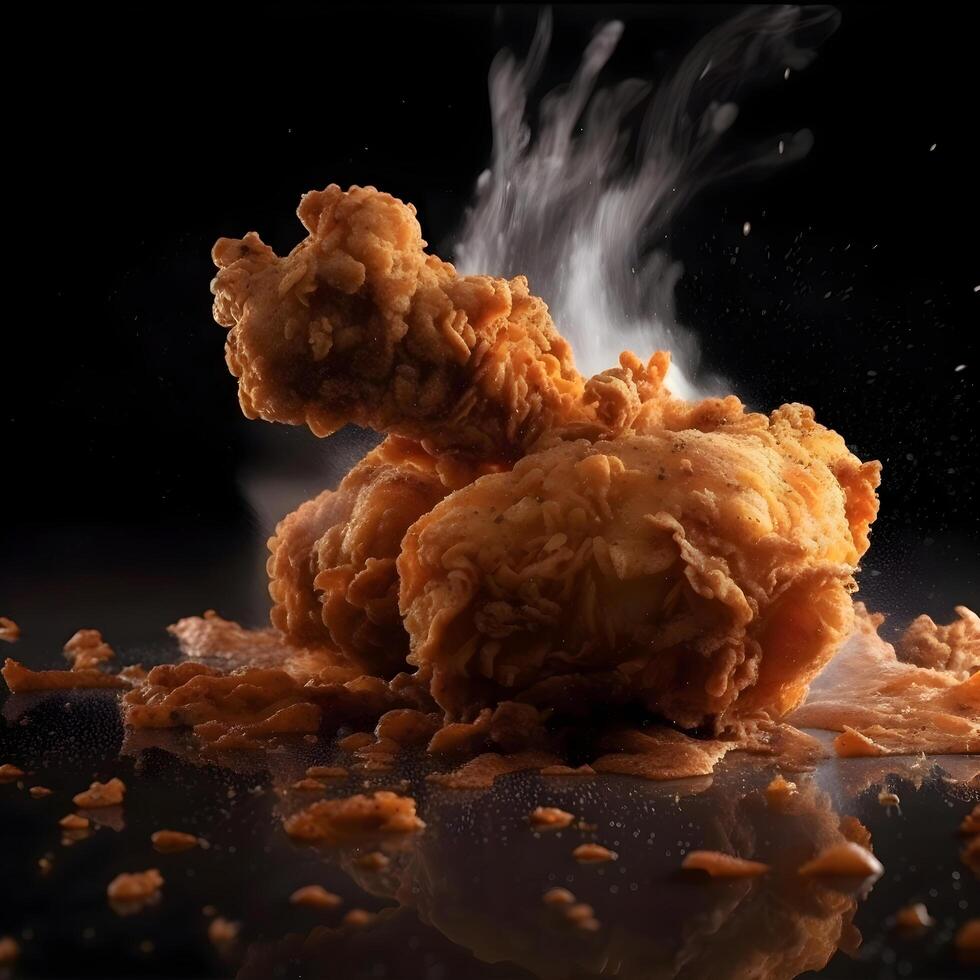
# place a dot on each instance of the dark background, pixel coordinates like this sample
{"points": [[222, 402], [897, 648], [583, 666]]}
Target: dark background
{"points": [[135, 492]]}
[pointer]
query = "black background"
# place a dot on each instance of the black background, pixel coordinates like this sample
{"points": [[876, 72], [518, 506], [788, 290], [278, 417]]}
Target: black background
{"points": [[134, 491]]}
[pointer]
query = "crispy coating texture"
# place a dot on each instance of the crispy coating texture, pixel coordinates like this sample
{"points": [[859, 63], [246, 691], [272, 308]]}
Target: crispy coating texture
{"points": [[693, 570], [954, 648], [359, 324]]}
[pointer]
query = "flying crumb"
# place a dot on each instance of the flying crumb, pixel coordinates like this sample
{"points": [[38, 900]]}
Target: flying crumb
{"points": [[74, 821], [719, 865], [558, 896], [971, 822], [130, 893], [87, 650], [372, 861], [9, 772], [309, 785], [846, 860], [967, 941], [579, 911], [780, 791], [45, 864], [101, 794], [358, 918], [9, 630], [550, 818], [39, 792], [315, 897], [593, 854], [222, 931], [889, 799], [913, 918], [172, 841], [9, 951], [355, 818], [326, 772]]}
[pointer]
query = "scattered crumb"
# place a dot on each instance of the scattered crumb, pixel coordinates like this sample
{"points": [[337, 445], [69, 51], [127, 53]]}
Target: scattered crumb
{"points": [[780, 791], [372, 861], [9, 950], [9, 630], [326, 772], [589, 925], [101, 794], [550, 818], [357, 740], [971, 822], [87, 650], [45, 864], [39, 792], [851, 744], [579, 911], [309, 785], [889, 799], [354, 818], [222, 931], [74, 821], [558, 896], [172, 841], [9, 772], [967, 940], [129, 893], [847, 860], [315, 897], [358, 918], [593, 854], [134, 673], [912, 918], [719, 865]]}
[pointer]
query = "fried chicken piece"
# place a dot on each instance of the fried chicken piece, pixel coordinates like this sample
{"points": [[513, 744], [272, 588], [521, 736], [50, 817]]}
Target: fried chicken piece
{"points": [[702, 569], [954, 648], [332, 574], [359, 324]]}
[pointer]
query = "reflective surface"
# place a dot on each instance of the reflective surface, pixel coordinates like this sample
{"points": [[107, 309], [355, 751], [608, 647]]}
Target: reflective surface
{"points": [[464, 898]]}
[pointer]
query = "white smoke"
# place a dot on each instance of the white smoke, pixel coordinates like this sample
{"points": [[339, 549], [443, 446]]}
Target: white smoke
{"points": [[583, 205]]}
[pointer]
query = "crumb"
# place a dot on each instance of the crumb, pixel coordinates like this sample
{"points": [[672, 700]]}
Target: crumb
{"points": [[309, 786], [9, 772], [222, 931], [45, 864], [593, 854], [87, 650], [848, 860], [889, 799], [780, 791], [914, 917], [74, 821], [558, 896], [719, 865], [129, 893], [579, 911], [101, 794], [326, 772], [9, 630], [315, 897], [372, 861], [971, 822], [134, 673], [9, 951], [967, 940], [358, 918], [173, 841], [550, 818], [588, 925], [355, 741], [39, 792], [354, 818], [852, 744]]}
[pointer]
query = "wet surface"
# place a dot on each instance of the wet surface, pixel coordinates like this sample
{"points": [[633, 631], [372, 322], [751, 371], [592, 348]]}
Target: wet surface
{"points": [[464, 897]]}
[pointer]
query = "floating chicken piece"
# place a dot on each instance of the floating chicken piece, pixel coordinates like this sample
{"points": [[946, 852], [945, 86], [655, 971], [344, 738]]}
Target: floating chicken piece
{"points": [[22, 680], [851, 744], [99, 794], [131, 893], [326, 772], [914, 918], [39, 792], [845, 860], [954, 648], [719, 865], [780, 791], [88, 651], [355, 818], [9, 772], [901, 708], [9, 951], [593, 854], [9, 630], [550, 818], [315, 897], [558, 896], [223, 932], [971, 822], [74, 821], [173, 841]]}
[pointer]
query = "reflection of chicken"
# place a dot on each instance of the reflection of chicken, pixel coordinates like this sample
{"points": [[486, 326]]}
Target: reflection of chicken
{"points": [[689, 556]]}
